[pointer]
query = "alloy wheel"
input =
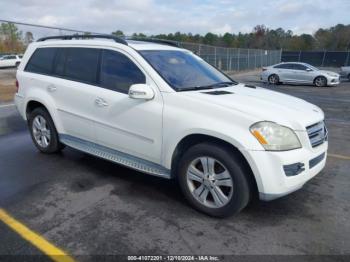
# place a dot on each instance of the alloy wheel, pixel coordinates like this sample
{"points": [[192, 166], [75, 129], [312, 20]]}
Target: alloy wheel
{"points": [[209, 182], [320, 81], [273, 79], [41, 131]]}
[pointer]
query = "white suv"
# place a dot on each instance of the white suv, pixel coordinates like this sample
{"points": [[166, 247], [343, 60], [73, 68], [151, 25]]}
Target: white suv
{"points": [[164, 111], [10, 61]]}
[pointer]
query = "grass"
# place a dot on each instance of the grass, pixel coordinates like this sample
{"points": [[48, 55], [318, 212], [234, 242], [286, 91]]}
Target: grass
{"points": [[7, 92]]}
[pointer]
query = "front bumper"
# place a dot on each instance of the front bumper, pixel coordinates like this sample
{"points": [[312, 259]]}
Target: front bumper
{"points": [[333, 81], [271, 177]]}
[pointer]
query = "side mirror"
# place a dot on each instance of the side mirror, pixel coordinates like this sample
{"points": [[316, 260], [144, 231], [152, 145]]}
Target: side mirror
{"points": [[141, 91], [308, 69]]}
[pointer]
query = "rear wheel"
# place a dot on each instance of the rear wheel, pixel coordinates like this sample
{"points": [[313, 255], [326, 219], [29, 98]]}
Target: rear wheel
{"points": [[273, 79], [213, 180], [320, 81], [43, 131]]}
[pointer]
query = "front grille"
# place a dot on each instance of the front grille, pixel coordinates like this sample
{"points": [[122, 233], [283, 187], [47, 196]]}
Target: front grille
{"points": [[317, 133]]}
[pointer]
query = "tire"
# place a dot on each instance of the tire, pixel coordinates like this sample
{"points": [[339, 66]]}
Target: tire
{"points": [[273, 79], [43, 131], [226, 168], [349, 77], [320, 81]]}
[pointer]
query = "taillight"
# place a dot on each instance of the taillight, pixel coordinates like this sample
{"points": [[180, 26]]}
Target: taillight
{"points": [[17, 86]]}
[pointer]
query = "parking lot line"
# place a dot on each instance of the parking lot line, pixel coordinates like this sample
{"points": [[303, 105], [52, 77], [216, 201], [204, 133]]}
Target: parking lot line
{"points": [[35, 239], [339, 156], [7, 105]]}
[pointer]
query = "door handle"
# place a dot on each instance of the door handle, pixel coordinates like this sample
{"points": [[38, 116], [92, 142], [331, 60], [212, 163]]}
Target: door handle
{"points": [[51, 88], [101, 102]]}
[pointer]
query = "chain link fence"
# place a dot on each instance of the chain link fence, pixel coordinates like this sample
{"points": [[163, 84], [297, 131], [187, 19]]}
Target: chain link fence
{"points": [[14, 37], [318, 58], [234, 59]]}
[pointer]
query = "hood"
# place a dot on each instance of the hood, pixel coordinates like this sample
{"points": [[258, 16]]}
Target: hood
{"points": [[262, 105], [329, 72]]}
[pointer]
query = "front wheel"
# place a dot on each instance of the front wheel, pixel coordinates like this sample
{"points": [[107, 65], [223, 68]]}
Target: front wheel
{"points": [[213, 180], [43, 131], [320, 81]]}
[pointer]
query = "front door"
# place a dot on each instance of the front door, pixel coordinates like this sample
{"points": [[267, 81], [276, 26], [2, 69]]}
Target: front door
{"points": [[128, 125]]}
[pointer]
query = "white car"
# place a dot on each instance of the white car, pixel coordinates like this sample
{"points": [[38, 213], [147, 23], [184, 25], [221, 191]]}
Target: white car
{"points": [[345, 72], [164, 111], [299, 73], [10, 61]]}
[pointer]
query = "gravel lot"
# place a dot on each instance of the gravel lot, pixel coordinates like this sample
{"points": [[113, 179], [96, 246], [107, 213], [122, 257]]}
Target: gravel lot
{"points": [[88, 206]]}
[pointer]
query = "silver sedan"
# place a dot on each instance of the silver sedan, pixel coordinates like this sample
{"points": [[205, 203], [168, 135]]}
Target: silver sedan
{"points": [[299, 73], [345, 72]]}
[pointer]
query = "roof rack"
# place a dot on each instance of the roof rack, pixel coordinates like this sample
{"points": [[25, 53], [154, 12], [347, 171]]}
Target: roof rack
{"points": [[155, 40], [70, 37]]}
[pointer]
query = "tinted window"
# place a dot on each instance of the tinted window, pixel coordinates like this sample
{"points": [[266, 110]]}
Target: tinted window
{"points": [[41, 61], [118, 72], [183, 70], [299, 67], [59, 62], [284, 66], [81, 64]]}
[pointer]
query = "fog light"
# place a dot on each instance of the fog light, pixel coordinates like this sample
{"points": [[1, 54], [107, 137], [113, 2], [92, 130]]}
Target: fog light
{"points": [[294, 169]]}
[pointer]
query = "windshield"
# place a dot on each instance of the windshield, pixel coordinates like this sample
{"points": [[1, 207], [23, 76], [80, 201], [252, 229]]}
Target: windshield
{"points": [[312, 67], [185, 71]]}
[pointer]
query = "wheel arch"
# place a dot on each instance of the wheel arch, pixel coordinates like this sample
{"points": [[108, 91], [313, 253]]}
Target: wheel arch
{"points": [[192, 139], [34, 103], [320, 76], [273, 73]]}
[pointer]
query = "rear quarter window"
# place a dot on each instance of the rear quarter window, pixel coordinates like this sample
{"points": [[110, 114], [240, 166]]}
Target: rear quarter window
{"points": [[41, 61]]}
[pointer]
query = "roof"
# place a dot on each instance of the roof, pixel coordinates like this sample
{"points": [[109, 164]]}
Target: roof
{"points": [[137, 45], [142, 45]]}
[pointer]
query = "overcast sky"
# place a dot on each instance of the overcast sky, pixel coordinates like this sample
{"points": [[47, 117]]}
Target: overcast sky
{"points": [[195, 16]]}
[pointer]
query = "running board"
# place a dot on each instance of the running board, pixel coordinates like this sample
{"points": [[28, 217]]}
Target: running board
{"points": [[115, 156]]}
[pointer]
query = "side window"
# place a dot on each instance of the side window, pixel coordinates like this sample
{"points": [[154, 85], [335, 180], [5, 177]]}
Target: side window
{"points": [[41, 61], [284, 66], [9, 57], [299, 67], [59, 62], [81, 64], [118, 72]]}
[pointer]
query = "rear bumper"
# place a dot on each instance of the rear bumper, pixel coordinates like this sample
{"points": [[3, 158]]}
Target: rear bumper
{"points": [[19, 102]]}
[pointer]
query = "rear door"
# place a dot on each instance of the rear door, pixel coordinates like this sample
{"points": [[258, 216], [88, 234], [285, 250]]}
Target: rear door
{"points": [[74, 89], [285, 72]]}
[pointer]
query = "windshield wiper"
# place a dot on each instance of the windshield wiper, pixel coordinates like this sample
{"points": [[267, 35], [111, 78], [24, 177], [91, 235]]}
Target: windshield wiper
{"points": [[223, 84], [212, 86], [193, 88]]}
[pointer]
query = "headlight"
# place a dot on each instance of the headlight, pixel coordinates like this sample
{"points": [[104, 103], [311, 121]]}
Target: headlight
{"points": [[332, 74], [274, 137]]}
